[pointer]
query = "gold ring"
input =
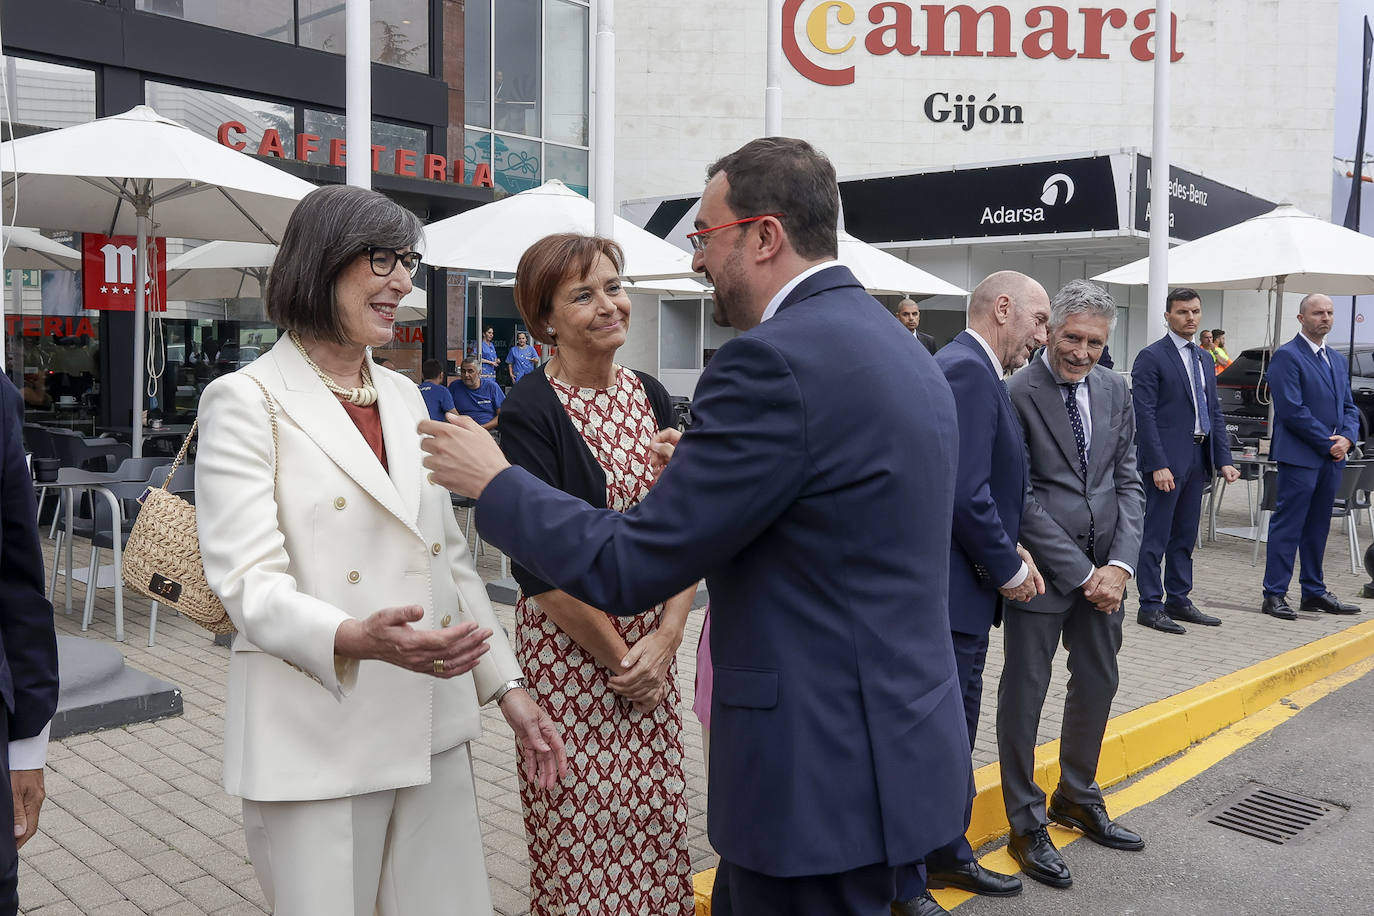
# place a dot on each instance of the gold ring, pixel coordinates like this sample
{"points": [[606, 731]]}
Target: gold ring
{"points": [[438, 666], [430, 475]]}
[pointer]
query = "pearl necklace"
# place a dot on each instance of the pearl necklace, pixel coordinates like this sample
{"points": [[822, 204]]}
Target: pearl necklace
{"points": [[365, 395]]}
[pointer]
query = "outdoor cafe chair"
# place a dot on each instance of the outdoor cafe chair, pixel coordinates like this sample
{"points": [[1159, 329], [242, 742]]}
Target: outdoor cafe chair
{"points": [[103, 532]]}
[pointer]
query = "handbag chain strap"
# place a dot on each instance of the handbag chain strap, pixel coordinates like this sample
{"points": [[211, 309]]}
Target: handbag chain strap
{"points": [[272, 415]]}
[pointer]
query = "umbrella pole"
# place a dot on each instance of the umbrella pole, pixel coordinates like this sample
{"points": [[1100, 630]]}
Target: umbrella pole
{"points": [[17, 310], [141, 282], [1274, 342]]}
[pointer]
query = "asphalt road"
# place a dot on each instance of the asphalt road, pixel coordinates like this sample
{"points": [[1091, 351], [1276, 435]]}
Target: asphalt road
{"points": [[1192, 867]]}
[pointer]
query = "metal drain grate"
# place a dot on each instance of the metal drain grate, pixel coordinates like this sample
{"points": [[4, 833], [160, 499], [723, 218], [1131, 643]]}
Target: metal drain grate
{"points": [[1272, 815]]}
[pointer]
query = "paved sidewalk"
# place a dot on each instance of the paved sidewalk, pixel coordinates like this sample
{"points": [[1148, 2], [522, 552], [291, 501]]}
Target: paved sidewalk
{"points": [[136, 821]]}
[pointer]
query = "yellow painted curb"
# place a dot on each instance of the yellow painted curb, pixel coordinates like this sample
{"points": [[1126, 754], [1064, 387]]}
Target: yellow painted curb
{"points": [[1141, 738]]}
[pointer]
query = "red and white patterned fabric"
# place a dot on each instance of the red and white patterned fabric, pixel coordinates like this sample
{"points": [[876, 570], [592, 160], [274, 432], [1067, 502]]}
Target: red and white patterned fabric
{"points": [[611, 838]]}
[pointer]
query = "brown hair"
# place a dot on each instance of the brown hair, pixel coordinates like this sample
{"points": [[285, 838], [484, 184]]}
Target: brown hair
{"points": [[329, 228], [546, 264]]}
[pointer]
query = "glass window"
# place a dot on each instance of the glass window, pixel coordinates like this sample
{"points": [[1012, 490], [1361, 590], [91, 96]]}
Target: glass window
{"points": [[48, 96], [516, 80], [566, 41], [515, 163], [204, 111], [568, 166], [477, 63], [328, 125], [400, 30], [274, 19], [53, 345]]}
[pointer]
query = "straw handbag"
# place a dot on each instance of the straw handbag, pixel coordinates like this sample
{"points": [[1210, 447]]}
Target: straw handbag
{"points": [[162, 558]]}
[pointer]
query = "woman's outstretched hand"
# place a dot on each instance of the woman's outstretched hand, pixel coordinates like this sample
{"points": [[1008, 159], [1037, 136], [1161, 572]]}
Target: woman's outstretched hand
{"points": [[541, 746]]}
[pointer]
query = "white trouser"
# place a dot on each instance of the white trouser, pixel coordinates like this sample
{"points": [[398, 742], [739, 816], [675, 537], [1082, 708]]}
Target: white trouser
{"points": [[398, 852]]}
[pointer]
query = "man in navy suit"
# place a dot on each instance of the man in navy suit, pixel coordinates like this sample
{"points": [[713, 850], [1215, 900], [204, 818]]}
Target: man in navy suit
{"points": [[909, 314], [28, 646], [1182, 444], [839, 752], [1007, 315], [1315, 426]]}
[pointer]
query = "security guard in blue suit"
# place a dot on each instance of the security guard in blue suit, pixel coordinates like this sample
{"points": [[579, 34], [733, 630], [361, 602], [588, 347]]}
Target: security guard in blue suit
{"points": [[1315, 426], [1182, 443]]}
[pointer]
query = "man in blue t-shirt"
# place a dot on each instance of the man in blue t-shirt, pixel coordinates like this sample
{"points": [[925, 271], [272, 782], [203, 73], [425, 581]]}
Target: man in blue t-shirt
{"points": [[476, 397], [432, 389]]}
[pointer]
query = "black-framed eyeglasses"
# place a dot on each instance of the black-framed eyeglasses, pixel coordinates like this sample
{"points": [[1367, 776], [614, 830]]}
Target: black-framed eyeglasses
{"points": [[384, 260], [701, 236]]}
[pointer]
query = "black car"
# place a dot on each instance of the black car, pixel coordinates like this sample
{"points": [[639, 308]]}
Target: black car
{"points": [[1245, 399]]}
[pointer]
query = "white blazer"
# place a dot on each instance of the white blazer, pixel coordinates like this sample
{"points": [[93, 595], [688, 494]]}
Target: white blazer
{"points": [[335, 537]]}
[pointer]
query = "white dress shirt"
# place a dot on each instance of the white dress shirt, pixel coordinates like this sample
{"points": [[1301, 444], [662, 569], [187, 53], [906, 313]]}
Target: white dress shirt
{"points": [[776, 302], [1186, 355]]}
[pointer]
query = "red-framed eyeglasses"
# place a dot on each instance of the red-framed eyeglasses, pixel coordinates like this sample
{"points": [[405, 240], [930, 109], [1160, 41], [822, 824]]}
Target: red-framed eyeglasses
{"points": [[698, 238]]}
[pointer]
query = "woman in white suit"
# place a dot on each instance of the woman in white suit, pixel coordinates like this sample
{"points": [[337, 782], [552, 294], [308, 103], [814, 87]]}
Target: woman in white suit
{"points": [[366, 643]]}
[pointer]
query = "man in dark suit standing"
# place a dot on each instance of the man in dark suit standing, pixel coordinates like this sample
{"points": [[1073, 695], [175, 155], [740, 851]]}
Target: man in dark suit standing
{"points": [[1315, 426], [839, 751], [1182, 445], [1007, 316], [909, 314], [28, 646], [1082, 523]]}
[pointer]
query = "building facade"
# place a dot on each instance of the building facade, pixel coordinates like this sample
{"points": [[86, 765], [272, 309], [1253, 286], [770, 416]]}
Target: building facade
{"points": [[907, 88], [470, 100]]}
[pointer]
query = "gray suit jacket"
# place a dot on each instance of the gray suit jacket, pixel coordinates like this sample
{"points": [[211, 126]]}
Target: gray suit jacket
{"points": [[1060, 504]]}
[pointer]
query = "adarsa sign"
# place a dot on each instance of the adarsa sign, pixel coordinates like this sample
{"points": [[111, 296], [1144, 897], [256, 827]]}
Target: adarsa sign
{"points": [[1045, 31]]}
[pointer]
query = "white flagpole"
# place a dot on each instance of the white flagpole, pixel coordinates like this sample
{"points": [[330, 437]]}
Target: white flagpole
{"points": [[1155, 324], [358, 93]]}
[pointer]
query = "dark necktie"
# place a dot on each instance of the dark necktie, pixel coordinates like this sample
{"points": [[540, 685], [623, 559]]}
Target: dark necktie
{"points": [[1204, 421], [1080, 440]]}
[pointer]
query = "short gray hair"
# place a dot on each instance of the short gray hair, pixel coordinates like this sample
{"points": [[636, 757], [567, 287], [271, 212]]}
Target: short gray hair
{"points": [[1079, 297]]}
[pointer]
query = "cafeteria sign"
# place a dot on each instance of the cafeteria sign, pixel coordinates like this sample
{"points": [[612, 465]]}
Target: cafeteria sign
{"points": [[108, 268]]}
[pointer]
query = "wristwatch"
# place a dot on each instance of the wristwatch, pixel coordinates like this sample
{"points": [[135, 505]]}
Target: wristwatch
{"points": [[507, 687]]}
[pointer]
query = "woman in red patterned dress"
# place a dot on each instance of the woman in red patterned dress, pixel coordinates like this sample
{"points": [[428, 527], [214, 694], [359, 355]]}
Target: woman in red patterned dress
{"points": [[611, 838]]}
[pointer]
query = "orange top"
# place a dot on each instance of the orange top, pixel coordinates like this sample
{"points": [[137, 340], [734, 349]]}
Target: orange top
{"points": [[369, 423]]}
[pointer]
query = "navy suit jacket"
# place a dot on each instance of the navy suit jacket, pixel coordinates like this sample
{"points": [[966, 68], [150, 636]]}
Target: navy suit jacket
{"points": [[28, 643], [815, 495], [989, 491], [1311, 404], [1165, 413]]}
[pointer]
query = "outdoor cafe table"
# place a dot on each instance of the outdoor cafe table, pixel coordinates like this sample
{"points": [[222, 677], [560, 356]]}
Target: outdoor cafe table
{"points": [[73, 479]]}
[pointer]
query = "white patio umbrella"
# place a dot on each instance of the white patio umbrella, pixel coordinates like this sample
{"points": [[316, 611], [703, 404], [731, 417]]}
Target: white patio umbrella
{"points": [[25, 249], [128, 173], [494, 236], [1284, 247], [414, 305], [221, 270], [886, 274]]}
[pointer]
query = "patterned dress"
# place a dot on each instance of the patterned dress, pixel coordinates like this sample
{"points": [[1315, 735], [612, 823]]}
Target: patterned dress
{"points": [[611, 838]]}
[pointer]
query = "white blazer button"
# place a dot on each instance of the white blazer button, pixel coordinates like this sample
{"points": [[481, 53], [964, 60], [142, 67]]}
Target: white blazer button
{"points": [[354, 576], [448, 619], [436, 548], [340, 502]]}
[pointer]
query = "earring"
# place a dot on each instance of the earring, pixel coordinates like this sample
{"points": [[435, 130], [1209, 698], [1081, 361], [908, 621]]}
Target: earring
{"points": [[549, 331]]}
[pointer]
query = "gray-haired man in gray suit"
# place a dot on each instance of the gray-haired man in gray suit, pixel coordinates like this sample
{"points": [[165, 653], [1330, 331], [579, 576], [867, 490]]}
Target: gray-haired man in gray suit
{"points": [[1082, 523]]}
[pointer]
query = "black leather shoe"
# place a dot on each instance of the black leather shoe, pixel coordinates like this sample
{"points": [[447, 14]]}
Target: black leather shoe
{"points": [[1156, 619], [1094, 822], [1038, 858], [974, 878], [1329, 604], [924, 905], [1277, 606], [1189, 613]]}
